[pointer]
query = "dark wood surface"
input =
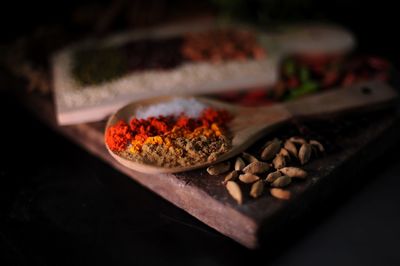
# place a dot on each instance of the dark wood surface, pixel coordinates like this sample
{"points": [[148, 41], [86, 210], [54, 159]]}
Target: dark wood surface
{"points": [[352, 142]]}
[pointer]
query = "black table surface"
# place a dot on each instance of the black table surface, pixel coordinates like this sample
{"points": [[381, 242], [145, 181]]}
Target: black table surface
{"points": [[59, 205]]}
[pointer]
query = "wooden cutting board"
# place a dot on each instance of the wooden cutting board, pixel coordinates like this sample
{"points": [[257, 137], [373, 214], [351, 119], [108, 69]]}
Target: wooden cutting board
{"points": [[351, 142]]}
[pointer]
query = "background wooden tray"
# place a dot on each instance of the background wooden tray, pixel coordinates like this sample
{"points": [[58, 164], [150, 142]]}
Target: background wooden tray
{"points": [[77, 103], [351, 142]]}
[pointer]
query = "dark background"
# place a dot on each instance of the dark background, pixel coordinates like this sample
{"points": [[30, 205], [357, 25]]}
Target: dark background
{"points": [[69, 208], [374, 22]]}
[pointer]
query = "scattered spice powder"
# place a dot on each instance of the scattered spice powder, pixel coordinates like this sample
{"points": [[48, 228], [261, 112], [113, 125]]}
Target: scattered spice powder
{"points": [[172, 141], [220, 45], [96, 65]]}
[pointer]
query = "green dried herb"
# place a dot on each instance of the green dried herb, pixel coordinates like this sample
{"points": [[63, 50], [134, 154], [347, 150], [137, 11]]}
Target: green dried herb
{"points": [[289, 68], [95, 66], [306, 88]]}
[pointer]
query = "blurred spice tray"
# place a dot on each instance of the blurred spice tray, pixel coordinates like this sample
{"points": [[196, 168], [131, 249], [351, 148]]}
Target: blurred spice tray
{"points": [[351, 143], [94, 78]]}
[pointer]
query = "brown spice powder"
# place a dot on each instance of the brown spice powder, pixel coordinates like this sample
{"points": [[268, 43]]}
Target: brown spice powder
{"points": [[182, 151]]}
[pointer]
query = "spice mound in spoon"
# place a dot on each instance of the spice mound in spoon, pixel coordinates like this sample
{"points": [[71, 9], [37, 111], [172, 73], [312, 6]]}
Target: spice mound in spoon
{"points": [[177, 133]]}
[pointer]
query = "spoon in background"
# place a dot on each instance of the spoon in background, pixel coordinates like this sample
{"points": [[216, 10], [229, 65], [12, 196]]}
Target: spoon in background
{"points": [[251, 123]]}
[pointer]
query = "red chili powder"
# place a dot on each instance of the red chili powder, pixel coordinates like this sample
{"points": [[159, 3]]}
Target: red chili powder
{"points": [[119, 135]]}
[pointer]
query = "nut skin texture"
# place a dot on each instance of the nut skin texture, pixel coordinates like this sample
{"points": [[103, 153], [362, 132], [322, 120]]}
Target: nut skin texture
{"points": [[248, 178], [271, 177], [291, 148], [231, 176], [279, 162], [298, 140], [256, 168], [294, 172], [318, 145], [285, 153], [281, 181], [280, 193], [305, 153], [249, 158], [219, 168], [239, 164], [271, 150], [257, 189], [235, 191]]}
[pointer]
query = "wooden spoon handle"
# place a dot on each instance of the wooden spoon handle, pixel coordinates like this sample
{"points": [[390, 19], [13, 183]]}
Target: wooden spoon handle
{"points": [[359, 96]]}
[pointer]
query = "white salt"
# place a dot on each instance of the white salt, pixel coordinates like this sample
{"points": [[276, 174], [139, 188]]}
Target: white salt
{"points": [[188, 106]]}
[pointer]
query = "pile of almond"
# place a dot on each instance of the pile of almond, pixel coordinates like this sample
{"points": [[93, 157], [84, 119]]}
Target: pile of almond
{"points": [[272, 169]]}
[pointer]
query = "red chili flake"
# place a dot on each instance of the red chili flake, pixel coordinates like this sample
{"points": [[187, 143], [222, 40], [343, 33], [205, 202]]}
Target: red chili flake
{"points": [[187, 123], [349, 79], [257, 94], [330, 78], [118, 136], [210, 116], [292, 83]]}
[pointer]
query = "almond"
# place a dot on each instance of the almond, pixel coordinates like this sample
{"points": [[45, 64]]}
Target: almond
{"points": [[235, 191], [256, 168], [305, 153], [280, 193], [294, 172], [248, 178], [257, 189]]}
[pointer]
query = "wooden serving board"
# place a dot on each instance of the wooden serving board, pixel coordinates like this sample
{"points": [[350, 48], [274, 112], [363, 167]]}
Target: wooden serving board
{"points": [[351, 143]]}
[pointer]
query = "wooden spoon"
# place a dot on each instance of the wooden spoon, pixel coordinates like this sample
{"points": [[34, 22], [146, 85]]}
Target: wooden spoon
{"points": [[251, 123]]}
